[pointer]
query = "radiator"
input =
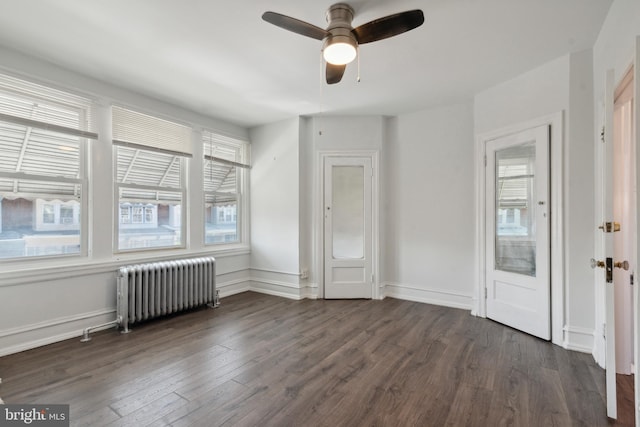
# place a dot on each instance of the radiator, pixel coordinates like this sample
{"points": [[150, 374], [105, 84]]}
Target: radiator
{"points": [[146, 291]]}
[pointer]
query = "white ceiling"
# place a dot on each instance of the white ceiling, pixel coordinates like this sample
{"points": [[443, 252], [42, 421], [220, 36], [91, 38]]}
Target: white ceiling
{"points": [[220, 59]]}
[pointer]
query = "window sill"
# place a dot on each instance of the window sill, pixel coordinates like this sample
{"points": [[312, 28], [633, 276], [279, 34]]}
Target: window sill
{"points": [[32, 270]]}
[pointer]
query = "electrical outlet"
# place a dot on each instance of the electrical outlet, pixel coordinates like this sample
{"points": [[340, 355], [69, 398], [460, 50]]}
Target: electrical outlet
{"points": [[304, 274]]}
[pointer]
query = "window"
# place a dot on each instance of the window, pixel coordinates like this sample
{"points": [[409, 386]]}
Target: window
{"points": [[66, 215], [225, 166], [43, 137], [149, 181], [48, 215]]}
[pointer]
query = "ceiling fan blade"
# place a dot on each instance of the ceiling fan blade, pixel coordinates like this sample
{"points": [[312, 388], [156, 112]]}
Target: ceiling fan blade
{"points": [[295, 25], [388, 26], [334, 73]]}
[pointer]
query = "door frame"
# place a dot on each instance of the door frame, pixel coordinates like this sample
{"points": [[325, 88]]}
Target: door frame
{"points": [[555, 122], [318, 215]]}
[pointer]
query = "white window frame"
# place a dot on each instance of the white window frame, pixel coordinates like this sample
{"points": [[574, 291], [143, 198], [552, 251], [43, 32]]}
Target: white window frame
{"points": [[52, 97], [242, 188], [151, 133], [118, 187]]}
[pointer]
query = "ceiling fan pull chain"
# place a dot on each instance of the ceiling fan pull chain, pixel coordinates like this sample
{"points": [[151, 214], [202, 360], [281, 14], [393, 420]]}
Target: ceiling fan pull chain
{"points": [[358, 79]]}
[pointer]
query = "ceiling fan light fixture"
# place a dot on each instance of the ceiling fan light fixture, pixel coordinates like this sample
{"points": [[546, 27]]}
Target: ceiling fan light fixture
{"points": [[340, 50]]}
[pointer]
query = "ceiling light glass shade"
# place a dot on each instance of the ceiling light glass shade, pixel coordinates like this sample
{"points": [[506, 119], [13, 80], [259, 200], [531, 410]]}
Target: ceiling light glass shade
{"points": [[340, 50]]}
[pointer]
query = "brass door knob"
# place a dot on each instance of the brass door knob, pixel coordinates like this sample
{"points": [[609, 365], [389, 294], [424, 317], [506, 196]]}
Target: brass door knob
{"points": [[622, 264], [593, 263]]}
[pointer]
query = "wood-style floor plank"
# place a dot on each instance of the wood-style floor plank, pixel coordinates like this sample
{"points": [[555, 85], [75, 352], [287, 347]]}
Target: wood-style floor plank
{"points": [[260, 360]]}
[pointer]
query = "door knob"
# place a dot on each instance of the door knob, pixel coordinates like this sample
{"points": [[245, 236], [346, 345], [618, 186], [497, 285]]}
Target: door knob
{"points": [[593, 263], [622, 264], [609, 227]]}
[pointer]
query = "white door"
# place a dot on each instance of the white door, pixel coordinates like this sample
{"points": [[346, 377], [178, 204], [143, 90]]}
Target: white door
{"points": [[604, 242], [517, 231], [624, 210], [347, 227], [636, 297]]}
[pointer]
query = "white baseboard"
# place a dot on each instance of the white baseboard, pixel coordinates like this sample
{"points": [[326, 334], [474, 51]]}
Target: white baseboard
{"points": [[281, 283], [232, 287], [283, 289], [429, 296], [35, 335], [578, 339]]}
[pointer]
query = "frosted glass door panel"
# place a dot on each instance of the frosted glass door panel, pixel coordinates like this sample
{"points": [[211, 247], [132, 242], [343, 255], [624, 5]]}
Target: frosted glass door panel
{"points": [[348, 212], [515, 214]]}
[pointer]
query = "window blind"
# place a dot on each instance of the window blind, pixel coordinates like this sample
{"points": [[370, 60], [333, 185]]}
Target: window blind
{"points": [[33, 105], [131, 127], [226, 150]]}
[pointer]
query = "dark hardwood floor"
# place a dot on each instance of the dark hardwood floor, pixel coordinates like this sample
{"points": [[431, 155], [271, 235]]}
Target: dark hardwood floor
{"points": [[267, 361]]}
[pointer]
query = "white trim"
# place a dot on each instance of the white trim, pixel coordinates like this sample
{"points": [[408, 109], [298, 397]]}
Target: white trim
{"points": [[280, 289], [557, 182], [317, 214], [578, 339], [83, 320], [54, 322], [232, 287], [266, 270], [440, 297], [30, 273]]}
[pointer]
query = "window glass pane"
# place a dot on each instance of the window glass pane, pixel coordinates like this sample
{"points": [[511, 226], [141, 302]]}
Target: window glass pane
{"points": [[221, 219], [348, 212], [149, 219], [33, 151], [145, 167], [34, 226], [515, 225]]}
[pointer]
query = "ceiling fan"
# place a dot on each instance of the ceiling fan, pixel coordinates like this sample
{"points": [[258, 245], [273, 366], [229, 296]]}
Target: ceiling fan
{"points": [[340, 40]]}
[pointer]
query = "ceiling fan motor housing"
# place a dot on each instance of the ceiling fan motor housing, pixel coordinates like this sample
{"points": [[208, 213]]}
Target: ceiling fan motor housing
{"points": [[339, 17]]}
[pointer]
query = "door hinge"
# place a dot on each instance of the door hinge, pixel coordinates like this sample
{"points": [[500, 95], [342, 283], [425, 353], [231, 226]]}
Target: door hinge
{"points": [[631, 279], [602, 135]]}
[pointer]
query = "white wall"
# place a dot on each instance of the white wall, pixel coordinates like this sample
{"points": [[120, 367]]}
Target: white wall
{"points": [[275, 201], [46, 301], [615, 47], [364, 134], [579, 199], [306, 242], [537, 93], [347, 133], [429, 225], [560, 86]]}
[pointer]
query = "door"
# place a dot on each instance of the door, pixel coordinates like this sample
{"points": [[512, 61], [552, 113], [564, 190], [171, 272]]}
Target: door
{"points": [[624, 209], [636, 297], [517, 230], [604, 242], [347, 227]]}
